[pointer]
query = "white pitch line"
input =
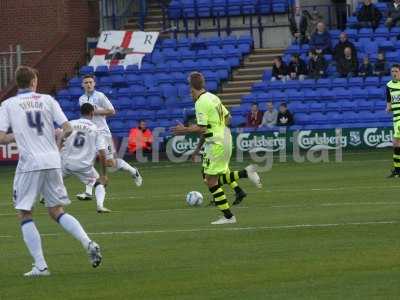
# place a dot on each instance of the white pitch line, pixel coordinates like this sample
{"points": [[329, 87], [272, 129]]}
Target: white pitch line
{"points": [[222, 229], [252, 228]]}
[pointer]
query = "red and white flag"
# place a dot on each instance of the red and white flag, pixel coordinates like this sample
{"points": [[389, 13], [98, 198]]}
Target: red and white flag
{"points": [[123, 47]]}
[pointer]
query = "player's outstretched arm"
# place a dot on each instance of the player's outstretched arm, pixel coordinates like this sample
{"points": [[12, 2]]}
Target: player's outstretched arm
{"points": [[67, 130], [6, 138], [198, 148], [106, 112], [182, 130]]}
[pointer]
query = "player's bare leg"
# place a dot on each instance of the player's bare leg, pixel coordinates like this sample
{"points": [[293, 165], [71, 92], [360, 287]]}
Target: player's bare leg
{"points": [[117, 164]]}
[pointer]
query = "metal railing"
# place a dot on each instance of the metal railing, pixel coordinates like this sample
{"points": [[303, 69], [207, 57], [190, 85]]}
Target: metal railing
{"points": [[9, 61], [114, 14]]}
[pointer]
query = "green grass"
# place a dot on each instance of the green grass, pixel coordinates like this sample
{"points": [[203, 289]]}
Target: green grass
{"points": [[169, 251]]}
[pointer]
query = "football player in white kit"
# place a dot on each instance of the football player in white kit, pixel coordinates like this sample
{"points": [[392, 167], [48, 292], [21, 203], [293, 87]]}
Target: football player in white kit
{"points": [[31, 117], [79, 152], [102, 109]]}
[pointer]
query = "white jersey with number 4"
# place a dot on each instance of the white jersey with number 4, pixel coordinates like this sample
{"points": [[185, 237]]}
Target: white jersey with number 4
{"points": [[81, 146], [98, 100], [31, 117]]}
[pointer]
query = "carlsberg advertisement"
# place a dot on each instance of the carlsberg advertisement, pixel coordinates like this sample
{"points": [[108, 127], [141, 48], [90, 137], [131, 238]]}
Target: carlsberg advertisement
{"points": [[275, 141]]}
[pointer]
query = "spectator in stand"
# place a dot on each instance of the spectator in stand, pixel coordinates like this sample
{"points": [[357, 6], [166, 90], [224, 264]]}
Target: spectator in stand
{"points": [[254, 116], [393, 14], [298, 26], [297, 68], [366, 68], [140, 138], [313, 19], [341, 13], [279, 70], [270, 116], [348, 65], [368, 15], [316, 65], [341, 45], [321, 40], [381, 67], [285, 117]]}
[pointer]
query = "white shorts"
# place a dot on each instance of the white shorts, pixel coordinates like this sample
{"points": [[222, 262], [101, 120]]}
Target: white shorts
{"points": [[110, 149], [29, 186], [87, 176]]}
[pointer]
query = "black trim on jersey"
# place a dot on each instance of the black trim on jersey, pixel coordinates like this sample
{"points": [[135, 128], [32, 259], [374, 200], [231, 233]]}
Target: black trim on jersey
{"points": [[201, 95]]}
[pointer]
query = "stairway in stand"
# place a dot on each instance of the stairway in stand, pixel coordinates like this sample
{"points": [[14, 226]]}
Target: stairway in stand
{"points": [[153, 21], [250, 72]]}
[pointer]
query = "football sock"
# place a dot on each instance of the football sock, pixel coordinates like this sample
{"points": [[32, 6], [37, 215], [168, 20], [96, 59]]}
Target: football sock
{"points": [[72, 225], [33, 242], [100, 193], [121, 164], [230, 177], [220, 200], [89, 190], [396, 159]]}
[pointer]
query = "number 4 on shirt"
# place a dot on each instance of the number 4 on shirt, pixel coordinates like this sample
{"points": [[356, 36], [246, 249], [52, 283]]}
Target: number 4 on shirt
{"points": [[35, 121]]}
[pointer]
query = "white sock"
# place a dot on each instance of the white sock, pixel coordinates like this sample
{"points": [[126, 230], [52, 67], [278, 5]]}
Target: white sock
{"points": [[34, 243], [100, 193], [89, 189], [121, 164], [72, 225]]}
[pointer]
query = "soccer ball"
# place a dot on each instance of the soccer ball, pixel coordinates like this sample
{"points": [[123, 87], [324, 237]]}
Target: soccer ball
{"points": [[194, 198]]}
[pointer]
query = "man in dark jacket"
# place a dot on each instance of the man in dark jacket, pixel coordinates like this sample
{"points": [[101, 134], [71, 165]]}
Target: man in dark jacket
{"points": [[393, 13], [368, 15], [321, 40], [316, 65], [285, 117], [298, 25], [344, 43], [297, 68], [348, 65]]}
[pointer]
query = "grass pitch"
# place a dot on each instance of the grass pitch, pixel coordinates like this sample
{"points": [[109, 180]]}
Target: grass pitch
{"points": [[315, 231]]}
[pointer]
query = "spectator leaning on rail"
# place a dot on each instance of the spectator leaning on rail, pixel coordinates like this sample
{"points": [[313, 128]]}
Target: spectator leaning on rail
{"points": [[285, 117], [298, 25], [368, 15], [321, 40], [270, 116], [297, 68], [348, 65], [140, 138], [279, 70], [393, 13], [343, 43], [316, 65], [366, 68], [254, 116]]}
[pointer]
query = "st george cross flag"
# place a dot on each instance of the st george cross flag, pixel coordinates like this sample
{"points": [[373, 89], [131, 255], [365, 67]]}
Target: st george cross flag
{"points": [[123, 48]]}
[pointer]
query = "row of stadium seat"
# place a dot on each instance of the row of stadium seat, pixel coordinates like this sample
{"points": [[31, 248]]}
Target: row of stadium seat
{"points": [[212, 8]]}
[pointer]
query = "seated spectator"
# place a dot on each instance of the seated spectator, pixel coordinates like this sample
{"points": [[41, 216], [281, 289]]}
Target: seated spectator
{"points": [[140, 138], [343, 43], [313, 19], [285, 117], [365, 68], [297, 68], [393, 13], [316, 65], [368, 15], [254, 116], [298, 26], [381, 67], [348, 65], [270, 116], [321, 40], [279, 69]]}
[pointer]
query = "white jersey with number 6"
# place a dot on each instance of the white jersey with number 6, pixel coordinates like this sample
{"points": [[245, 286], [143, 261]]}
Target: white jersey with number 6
{"points": [[81, 146], [31, 117]]}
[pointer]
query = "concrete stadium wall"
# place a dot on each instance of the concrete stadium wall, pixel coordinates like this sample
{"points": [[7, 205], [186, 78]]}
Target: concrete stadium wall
{"points": [[58, 28]]}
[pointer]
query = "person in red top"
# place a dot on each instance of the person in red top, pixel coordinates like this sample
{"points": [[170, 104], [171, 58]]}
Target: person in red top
{"points": [[140, 138], [254, 116]]}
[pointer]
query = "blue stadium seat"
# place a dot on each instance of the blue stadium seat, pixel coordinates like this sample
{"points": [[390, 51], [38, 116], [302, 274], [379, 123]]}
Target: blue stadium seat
{"points": [[316, 107], [348, 106], [86, 70], [116, 70], [101, 71]]}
